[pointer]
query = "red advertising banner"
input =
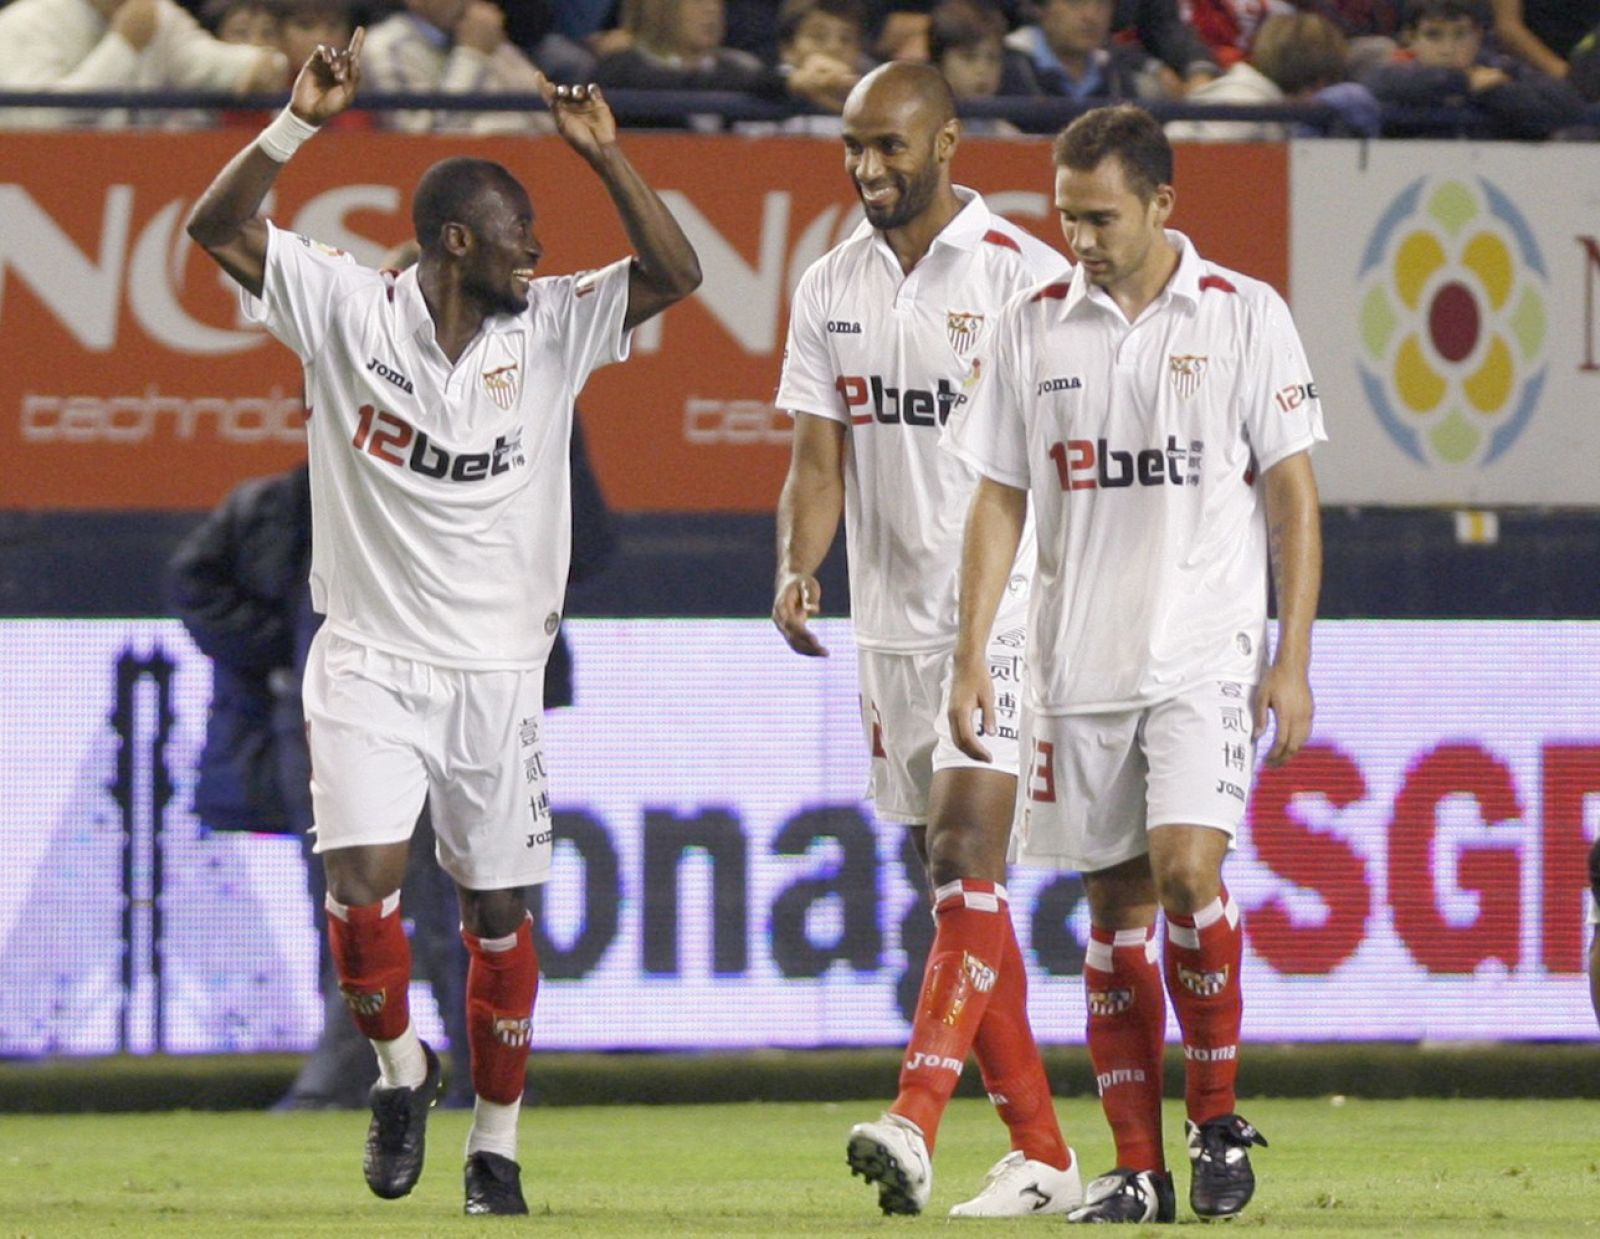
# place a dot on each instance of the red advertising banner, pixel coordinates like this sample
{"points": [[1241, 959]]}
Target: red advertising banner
{"points": [[128, 379]]}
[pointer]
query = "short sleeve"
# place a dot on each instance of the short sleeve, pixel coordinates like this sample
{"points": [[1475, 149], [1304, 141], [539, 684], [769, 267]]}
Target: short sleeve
{"points": [[591, 307], [808, 383], [991, 433], [1281, 409], [303, 283]]}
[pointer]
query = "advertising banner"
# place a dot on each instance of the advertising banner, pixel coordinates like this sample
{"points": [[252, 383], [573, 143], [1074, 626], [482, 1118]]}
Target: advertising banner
{"points": [[129, 380], [1418, 872], [1445, 291]]}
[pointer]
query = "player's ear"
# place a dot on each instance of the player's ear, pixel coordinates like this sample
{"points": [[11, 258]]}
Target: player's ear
{"points": [[949, 137], [457, 238], [1162, 203]]}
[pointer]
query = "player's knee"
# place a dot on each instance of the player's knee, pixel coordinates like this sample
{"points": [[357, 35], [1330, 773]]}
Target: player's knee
{"points": [[1187, 885], [493, 914], [955, 853]]}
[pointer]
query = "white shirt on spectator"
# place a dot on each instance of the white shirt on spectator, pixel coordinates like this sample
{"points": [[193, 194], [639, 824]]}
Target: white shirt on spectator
{"points": [[406, 53], [67, 45]]}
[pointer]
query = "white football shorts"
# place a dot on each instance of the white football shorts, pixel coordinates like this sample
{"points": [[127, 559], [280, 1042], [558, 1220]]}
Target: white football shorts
{"points": [[385, 731], [904, 716], [1094, 784]]}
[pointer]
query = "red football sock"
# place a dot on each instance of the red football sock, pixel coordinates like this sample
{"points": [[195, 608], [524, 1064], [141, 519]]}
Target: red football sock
{"points": [[1127, 1035], [502, 979], [372, 956], [1012, 1071], [963, 965], [1203, 955]]}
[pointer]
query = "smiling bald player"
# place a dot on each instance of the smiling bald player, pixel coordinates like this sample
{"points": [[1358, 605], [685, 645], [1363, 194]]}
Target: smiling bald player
{"points": [[889, 338], [441, 533]]}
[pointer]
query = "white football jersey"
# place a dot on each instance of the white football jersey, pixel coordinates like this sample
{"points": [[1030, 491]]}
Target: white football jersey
{"points": [[440, 494], [895, 357], [1143, 447]]}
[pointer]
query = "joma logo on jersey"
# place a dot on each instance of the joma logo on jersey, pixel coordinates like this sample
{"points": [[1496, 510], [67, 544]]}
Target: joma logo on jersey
{"points": [[380, 433], [1119, 1075], [934, 1062], [1070, 383], [842, 327], [1091, 464], [868, 399], [394, 376]]}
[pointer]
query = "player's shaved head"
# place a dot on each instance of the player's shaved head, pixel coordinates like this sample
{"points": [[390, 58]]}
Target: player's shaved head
{"points": [[452, 192], [902, 87]]}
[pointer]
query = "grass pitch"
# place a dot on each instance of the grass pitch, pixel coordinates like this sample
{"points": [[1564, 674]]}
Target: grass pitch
{"points": [[1362, 1167]]}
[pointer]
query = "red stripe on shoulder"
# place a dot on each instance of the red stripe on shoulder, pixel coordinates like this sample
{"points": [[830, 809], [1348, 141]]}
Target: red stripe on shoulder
{"points": [[1051, 292], [1216, 281], [995, 237]]}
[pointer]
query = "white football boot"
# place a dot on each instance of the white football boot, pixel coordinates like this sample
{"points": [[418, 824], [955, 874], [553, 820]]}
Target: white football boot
{"points": [[1018, 1186], [892, 1153]]}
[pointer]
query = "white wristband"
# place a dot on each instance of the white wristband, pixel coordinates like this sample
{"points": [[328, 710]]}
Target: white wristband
{"points": [[284, 136]]}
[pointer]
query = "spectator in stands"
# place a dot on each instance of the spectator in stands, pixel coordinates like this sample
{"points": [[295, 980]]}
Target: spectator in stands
{"points": [[1371, 27], [677, 45], [1442, 63], [1560, 38], [817, 39], [1070, 53], [133, 45], [1228, 27], [1296, 58], [303, 24], [966, 41], [1161, 30], [250, 22], [452, 47]]}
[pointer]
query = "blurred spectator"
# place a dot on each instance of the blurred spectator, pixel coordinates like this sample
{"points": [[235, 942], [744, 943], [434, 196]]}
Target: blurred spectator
{"points": [[677, 45], [1369, 25], [1442, 63], [452, 47], [135, 45], [966, 41], [1228, 27], [304, 24], [1070, 53], [1162, 31], [821, 41], [1296, 58], [250, 22], [1357, 19], [903, 35], [1558, 37]]}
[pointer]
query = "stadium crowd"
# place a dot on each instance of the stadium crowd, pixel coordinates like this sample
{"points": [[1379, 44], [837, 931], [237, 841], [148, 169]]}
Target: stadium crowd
{"points": [[1517, 68]]}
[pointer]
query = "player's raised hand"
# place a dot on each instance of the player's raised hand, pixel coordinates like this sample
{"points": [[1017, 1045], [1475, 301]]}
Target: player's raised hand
{"points": [[1286, 694], [798, 598], [582, 116], [972, 710], [327, 83]]}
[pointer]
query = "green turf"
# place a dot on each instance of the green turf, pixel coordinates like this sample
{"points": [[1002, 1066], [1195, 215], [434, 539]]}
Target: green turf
{"points": [[1425, 1167]]}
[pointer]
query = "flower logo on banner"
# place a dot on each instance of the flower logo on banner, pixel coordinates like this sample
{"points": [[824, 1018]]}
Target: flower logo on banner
{"points": [[1452, 322]]}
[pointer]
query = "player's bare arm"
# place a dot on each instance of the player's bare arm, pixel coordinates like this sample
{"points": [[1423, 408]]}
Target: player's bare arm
{"points": [[809, 511], [665, 267], [1294, 540], [226, 222], [988, 550]]}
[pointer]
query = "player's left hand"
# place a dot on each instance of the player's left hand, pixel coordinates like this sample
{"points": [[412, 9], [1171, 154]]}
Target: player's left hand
{"points": [[1286, 693], [328, 81], [582, 116]]}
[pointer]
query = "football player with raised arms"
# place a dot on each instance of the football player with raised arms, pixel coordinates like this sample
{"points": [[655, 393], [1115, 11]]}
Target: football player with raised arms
{"points": [[441, 406], [1160, 413], [889, 339]]}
